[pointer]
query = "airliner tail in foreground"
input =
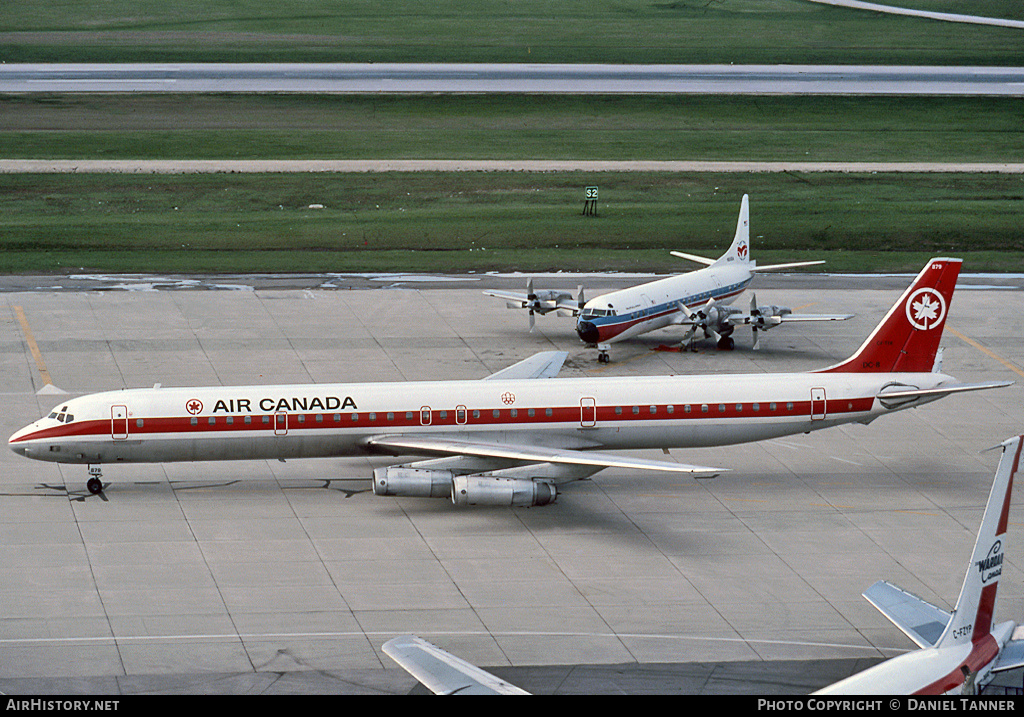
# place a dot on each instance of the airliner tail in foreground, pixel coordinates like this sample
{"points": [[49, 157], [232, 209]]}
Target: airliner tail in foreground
{"points": [[961, 651]]}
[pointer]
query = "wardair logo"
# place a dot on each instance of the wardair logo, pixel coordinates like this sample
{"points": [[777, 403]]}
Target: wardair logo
{"points": [[269, 405], [991, 566]]}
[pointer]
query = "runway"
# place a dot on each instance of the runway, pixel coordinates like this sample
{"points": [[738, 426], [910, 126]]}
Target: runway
{"points": [[287, 577], [556, 78], [370, 166]]}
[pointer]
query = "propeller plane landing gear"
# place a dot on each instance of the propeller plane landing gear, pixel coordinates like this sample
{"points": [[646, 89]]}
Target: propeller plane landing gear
{"points": [[95, 482], [602, 353]]}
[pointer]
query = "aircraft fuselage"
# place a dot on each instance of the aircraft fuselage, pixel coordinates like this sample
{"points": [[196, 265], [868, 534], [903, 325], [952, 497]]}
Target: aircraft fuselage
{"points": [[266, 422], [626, 313]]}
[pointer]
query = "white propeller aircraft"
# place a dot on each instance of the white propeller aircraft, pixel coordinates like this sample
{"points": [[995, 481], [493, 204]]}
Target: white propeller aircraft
{"points": [[698, 300], [510, 439], [960, 651]]}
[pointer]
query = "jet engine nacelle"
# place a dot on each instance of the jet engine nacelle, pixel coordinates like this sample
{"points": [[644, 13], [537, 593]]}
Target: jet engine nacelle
{"points": [[416, 482], [485, 490]]}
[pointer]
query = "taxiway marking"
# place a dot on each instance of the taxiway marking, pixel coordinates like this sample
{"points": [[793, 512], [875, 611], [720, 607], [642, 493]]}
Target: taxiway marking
{"points": [[987, 352], [30, 339]]}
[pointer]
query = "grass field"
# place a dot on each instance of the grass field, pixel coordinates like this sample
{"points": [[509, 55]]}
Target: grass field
{"points": [[513, 126], [479, 222], [498, 221], [621, 31]]}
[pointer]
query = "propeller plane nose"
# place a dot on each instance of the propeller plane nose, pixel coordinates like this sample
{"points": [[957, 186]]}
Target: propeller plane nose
{"points": [[587, 332]]}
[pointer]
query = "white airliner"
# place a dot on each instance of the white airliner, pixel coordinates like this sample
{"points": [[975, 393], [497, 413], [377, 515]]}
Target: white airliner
{"points": [[960, 651], [509, 440], [698, 300]]}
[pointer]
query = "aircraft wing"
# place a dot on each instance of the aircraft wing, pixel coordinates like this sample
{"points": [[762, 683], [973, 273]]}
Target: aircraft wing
{"points": [[549, 301], [510, 296], [442, 672], [424, 445], [815, 317], [546, 364], [921, 621]]}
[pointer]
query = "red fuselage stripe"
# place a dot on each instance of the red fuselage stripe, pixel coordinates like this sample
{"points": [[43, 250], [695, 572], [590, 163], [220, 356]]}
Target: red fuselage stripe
{"points": [[982, 653], [418, 418], [611, 330]]}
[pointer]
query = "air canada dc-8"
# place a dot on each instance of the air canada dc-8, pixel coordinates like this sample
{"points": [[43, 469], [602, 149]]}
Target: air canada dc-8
{"points": [[698, 300], [514, 437]]}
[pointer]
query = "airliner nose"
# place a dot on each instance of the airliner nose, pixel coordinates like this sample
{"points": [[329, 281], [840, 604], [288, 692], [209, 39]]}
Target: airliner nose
{"points": [[14, 441], [587, 332]]}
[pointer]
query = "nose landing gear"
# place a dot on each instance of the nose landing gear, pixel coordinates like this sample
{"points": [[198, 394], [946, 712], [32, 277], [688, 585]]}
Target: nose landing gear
{"points": [[95, 482]]}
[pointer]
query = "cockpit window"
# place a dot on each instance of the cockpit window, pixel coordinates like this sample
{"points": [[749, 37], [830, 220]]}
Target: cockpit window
{"points": [[62, 415]]}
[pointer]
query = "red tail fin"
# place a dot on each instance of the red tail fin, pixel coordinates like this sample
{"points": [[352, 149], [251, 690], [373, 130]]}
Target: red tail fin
{"points": [[908, 337]]}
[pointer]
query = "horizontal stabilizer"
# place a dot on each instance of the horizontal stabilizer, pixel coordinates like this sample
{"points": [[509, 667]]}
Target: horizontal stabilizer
{"points": [[546, 364], [921, 621], [939, 391], [693, 257], [1011, 657], [420, 445], [791, 265], [442, 672]]}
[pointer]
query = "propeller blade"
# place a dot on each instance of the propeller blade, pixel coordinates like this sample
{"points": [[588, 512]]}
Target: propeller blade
{"points": [[755, 337], [533, 320]]}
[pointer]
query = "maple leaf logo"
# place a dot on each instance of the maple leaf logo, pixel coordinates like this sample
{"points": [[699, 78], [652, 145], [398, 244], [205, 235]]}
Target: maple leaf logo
{"points": [[926, 309], [195, 406]]}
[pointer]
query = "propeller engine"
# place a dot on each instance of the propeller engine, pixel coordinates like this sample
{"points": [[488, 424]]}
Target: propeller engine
{"points": [[707, 318], [762, 318], [547, 300]]}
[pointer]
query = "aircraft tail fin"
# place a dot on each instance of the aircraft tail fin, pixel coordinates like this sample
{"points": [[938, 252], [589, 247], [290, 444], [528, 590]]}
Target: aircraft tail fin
{"points": [[739, 250], [975, 608], [907, 339]]}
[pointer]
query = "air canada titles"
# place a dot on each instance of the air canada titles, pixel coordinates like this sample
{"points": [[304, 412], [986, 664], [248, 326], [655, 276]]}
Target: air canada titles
{"points": [[293, 403]]}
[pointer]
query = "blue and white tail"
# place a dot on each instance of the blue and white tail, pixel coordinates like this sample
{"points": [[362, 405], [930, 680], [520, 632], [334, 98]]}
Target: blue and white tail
{"points": [[739, 250], [976, 606]]}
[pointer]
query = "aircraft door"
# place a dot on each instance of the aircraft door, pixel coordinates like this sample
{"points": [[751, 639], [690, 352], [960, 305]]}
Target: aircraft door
{"points": [[588, 412], [119, 422], [281, 423], [425, 416], [818, 404]]}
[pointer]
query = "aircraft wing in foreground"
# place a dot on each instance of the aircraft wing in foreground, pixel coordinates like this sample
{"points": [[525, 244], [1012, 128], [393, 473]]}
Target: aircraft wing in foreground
{"points": [[960, 651], [442, 672]]}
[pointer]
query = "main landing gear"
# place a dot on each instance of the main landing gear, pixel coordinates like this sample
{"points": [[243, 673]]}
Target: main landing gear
{"points": [[95, 482]]}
